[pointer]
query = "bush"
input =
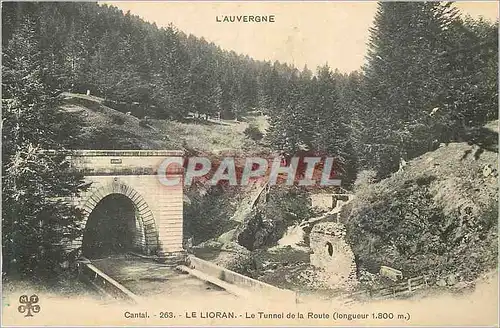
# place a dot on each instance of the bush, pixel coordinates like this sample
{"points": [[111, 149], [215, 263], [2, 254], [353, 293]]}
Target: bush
{"points": [[248, 265], [117, 119], [207, 216], [365, 178], [145, 123], [253, 132]]}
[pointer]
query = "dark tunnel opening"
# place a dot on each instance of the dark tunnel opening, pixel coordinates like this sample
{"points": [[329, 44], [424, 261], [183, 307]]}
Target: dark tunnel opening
{"points": [[110, 227]]}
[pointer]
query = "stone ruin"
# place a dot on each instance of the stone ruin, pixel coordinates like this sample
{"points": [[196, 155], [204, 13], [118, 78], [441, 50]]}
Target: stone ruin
{"points": [[332, 255]]}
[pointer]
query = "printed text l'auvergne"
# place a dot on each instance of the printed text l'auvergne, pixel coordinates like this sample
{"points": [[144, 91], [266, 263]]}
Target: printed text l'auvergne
{"points": [[245, 18]]}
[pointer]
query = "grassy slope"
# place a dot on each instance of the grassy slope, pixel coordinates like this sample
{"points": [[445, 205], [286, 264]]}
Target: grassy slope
{"points": [[106, 128]]}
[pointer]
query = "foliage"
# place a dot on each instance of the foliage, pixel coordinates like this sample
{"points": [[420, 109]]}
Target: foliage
{"points": [[248, 265], [207, 214], [36, 219], [430, 75], [253, 132], [36, 216], [138, 67], [273, 266], [265, 225], [406, 229], [311, 117], [364, 178], [427, 79]]}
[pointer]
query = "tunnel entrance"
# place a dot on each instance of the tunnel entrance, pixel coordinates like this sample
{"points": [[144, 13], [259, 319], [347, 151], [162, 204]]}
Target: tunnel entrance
{"points": [[111, 227]]}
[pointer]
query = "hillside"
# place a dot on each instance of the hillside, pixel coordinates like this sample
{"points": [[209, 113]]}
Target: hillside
{"points": [[437, 215], [106, 128]]}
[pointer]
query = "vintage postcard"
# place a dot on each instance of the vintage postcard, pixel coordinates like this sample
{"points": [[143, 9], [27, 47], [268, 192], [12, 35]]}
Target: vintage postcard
{"points": [[249, 163]]}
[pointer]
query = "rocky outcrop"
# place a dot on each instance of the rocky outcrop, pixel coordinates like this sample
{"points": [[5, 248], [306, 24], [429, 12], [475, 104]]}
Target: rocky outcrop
{"points": [[257, 231]]}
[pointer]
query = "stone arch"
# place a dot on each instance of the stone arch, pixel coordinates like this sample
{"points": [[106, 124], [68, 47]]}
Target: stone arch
{"points": [[147, 221]]}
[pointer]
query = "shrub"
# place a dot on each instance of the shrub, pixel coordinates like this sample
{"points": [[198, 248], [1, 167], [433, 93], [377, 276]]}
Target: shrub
{"points": [[253, 132], [248, 265], [207, 216], [145, 123], [365, 178], [117, 119]]}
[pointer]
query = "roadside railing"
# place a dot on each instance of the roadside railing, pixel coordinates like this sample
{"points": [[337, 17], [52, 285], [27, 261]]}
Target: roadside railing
{"points": [[397, 289], [104, 283]]}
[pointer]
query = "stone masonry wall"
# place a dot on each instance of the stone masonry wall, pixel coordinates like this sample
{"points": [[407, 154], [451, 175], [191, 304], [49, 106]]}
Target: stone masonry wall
{"points": [[332, 255], [133, 174]]}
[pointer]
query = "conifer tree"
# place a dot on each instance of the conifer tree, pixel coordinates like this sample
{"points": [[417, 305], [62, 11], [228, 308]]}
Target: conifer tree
{"points": [[403, 83], [36, 216]]}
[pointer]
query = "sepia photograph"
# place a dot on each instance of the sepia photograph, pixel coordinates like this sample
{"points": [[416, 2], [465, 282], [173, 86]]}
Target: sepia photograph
{"points": [[250, 163]]}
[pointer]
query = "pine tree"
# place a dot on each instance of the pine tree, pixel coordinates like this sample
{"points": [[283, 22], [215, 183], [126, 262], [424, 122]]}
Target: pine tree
{"points": [[471, 96], [403, 82], [77, 58], [332, 123], [286, 129], [215, 99], [36, 218]]}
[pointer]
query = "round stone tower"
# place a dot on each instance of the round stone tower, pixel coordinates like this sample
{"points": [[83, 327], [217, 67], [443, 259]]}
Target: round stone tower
{"points": [[332, 255]]}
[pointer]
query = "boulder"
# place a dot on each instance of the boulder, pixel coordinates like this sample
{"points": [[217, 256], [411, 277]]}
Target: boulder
{"points": [[487, 170], [451, 280], [441, 283], [227, 237], [257, 231]]}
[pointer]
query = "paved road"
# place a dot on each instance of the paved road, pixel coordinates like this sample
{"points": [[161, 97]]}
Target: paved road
{"points": [[145, 277]]}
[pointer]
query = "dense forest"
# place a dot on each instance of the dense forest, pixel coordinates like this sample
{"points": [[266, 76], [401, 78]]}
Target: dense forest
{"points": [[162, 72], [429, 78], [430, 75]]}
